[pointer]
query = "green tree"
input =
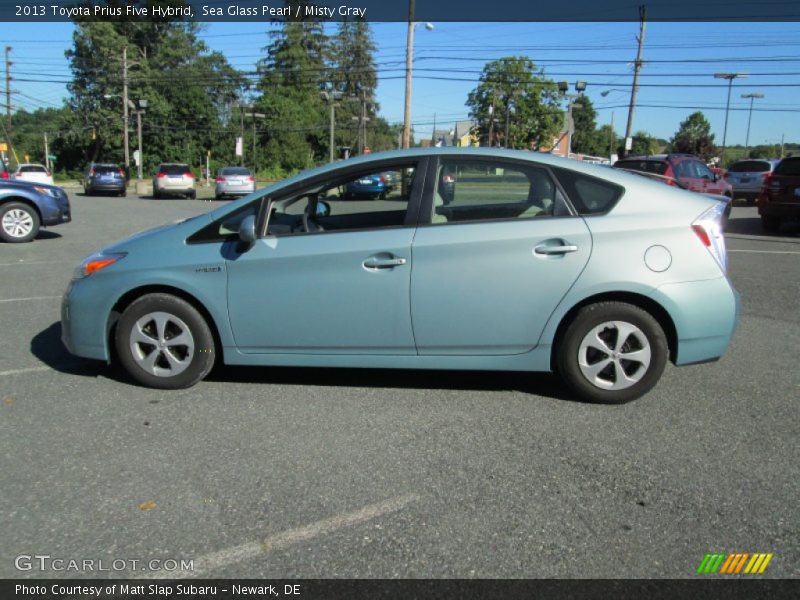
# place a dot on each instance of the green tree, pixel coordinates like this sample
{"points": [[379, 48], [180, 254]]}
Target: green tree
{"points": [[513, 91], [188, 91], [606, 142], [292, 75], [694, 137], [644, 143], [584, 138]]}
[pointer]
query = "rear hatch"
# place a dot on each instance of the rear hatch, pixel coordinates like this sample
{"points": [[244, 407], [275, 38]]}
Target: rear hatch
{"points": [[106, 174], [748, 174], [175, 176], [783, 185]]}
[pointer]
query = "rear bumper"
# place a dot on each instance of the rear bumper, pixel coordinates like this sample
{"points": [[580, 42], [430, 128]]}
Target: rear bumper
{"points": [[705, 314], [106, 187], [779, 209]]}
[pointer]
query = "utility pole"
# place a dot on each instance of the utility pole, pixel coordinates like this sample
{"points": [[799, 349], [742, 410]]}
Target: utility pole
{"points": [[8, 100], [409, 60], [612, 136], [331, 97], [730, 77], [125, 109], [46, 153], [491, 123], [254, 116], [752, 97], [508, 120], [636, 68], [241, 112]]}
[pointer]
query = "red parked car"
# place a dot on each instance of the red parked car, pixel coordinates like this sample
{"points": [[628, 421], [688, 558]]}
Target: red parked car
{"points": [[780, 195], [686, 170]]}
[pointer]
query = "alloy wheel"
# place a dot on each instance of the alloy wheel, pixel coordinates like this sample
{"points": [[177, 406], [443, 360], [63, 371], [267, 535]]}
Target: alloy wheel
{"points": [[161, 344], [614, 355]]}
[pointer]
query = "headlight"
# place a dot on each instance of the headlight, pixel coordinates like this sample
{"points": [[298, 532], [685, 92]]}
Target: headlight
{"points": [[96, 262], [47, 191]]}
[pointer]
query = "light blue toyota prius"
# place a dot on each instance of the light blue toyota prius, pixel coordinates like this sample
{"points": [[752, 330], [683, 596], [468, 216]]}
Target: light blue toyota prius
{"points": [[479, 259]]}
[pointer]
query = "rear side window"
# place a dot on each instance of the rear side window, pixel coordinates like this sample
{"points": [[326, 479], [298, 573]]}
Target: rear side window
{"points": [[589, 195], [750, 166], [788, 166], [645, 166], [174, 169]]}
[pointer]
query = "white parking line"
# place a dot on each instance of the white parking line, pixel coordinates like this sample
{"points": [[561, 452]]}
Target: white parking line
{"points": [[23, 371], [38, 262], [223, 558], [764, 251], [31, 298]]}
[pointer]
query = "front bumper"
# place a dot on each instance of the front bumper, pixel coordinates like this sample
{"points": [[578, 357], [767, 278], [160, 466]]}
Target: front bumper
{"points": [[80, 307]]}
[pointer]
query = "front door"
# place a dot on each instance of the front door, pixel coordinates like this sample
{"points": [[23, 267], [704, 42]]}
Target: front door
{"points": [[330, 281]]}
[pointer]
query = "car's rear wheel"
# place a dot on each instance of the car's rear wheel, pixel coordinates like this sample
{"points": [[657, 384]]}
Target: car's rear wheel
{"points": [[612, 352], [18, 222], [192, 195], [163, 342], [770, 224]]}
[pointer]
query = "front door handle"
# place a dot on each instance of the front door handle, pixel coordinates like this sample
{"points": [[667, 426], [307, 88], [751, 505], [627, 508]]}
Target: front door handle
{"points": [[377, 262], [548, 250]]}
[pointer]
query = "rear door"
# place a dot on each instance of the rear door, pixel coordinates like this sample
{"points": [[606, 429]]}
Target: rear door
{"points": [[496, 251]]}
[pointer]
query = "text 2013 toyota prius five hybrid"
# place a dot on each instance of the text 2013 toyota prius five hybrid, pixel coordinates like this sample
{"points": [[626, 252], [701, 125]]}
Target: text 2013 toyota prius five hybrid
{"points": [[527, 262]]}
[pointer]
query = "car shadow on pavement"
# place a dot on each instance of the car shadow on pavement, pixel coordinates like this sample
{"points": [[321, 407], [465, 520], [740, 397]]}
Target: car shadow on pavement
{"points": [[752, 226], [47, 235], [540, 384], [48, 348]]}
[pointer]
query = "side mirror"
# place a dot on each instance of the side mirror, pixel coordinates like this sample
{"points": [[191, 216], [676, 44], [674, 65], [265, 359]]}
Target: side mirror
{"points": [[323, 209], [247, 230]]}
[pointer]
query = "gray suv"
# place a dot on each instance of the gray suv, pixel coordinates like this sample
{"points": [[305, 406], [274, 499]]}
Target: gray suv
{"points": [[747, 177]]}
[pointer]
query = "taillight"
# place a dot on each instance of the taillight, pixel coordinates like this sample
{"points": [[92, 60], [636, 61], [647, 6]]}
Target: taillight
{"points": [[93, 173], [189, 174], [220, 180], [449, 179], [382, 179], [708, 229], [121, 172], [251, 178], [4, 175], [161, 175]]}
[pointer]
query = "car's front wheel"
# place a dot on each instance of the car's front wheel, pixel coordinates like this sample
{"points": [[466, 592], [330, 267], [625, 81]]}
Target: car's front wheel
{"points": [[18, 222], [163, 342], [612, 352]]}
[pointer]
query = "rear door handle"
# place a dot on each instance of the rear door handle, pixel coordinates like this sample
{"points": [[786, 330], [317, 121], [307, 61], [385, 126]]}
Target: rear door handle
{"points": [[375, 262], [548, 250]]}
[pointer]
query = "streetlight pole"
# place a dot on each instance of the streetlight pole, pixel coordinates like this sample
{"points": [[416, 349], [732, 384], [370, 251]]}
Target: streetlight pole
{"points": [[730, 77], [255, 116], [406, 139], [752, 97]]}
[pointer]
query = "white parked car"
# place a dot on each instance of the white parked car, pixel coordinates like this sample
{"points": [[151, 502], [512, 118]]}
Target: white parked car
{"points": [[33, 173]]}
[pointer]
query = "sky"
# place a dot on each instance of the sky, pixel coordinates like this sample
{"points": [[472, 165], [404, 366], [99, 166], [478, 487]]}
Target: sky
{"points": [[677, 77]]}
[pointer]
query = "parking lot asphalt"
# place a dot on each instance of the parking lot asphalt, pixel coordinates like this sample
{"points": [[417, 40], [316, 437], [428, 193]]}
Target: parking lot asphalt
{"points": [[270, 472]]}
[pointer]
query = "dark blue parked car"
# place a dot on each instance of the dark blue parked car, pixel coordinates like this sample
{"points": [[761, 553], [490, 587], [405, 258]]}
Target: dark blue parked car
{"points": [[369, 186], [104, 178], [24, 207]]}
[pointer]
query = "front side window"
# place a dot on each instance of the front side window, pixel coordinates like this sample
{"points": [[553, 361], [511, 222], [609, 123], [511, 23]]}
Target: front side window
{"points": [[489, 190], [371, 199]]}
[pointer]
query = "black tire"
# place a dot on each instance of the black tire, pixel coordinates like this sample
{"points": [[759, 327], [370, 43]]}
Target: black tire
{"points": [[200, 359], [28, 213], [123, 193], [192, 195], [156, 195], [770, 224], [568, 352]]}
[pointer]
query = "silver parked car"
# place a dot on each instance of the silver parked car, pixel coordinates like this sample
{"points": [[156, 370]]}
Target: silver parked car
{"points": [[173, 179], [234, 181], [747, 177]]}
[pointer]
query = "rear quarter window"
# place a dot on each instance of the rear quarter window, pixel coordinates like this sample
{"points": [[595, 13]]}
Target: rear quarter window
{"points": [[589, 195]]}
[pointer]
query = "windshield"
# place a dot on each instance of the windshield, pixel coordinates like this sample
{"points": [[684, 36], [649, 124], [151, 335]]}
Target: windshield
{"points": [[174, 169], [235, 171]]}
